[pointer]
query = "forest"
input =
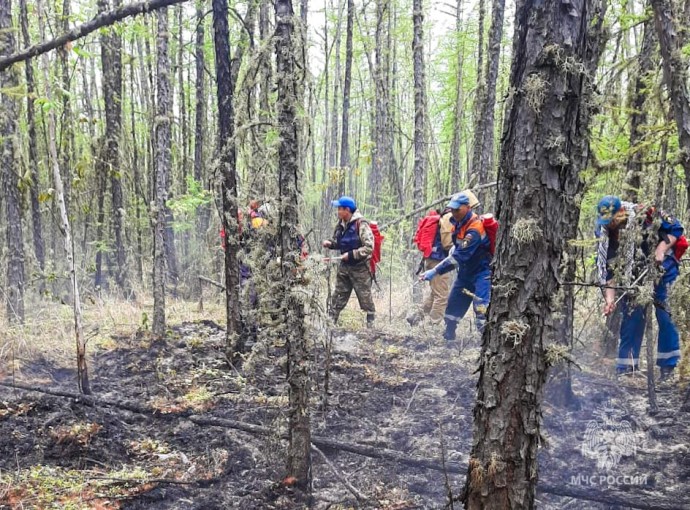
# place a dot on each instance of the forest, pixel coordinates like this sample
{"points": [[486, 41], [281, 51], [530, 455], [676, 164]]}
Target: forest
{"points": [[190, 190]]}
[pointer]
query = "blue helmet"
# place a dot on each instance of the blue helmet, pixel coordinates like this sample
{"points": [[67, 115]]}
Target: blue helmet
{"points": [[457, 200], [607, 209], [345, 202]]}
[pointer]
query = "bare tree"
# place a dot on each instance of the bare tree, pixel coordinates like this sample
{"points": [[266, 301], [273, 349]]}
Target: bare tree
{"points": [[454, 158], [545, 146], [9, 113], [228, 175], [162, 171], [292, 308], [420, 146], [82, 369], [347, 86]]}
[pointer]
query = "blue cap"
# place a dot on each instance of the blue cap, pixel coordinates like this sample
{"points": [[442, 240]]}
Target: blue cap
{"points": [[345, 202], [457, 200], [607, 209]]}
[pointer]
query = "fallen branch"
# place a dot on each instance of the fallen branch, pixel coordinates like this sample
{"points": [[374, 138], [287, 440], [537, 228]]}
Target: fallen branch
{"points": [[102, 20], [340, 476], [212, 282], [597, 494]]}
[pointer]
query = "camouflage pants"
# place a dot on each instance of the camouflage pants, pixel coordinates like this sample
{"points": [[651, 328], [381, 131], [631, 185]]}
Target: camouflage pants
{"points": [[357, 277]]}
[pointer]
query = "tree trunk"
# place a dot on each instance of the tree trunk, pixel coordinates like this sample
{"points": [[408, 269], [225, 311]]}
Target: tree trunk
{"points": [[200, 88], [138, 193], [82, 369], [648, 63], [162, 166], [183, 101], [292, 309], [111, 61], [486, 156], [347, 85], [66, 146], [228, 171], [9, 115], [545, 146], [335, 177], [382, 145], [454, 157], [479, 94], [37, 224], [675, 76], [420, 147]]}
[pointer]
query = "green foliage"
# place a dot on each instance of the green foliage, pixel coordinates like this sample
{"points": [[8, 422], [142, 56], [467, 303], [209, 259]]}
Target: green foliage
{"points": [[185, 206]]}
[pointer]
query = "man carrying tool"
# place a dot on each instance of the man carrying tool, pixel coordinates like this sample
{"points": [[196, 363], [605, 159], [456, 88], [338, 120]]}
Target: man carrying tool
{"points": [[354, 239], [661, 238], [471, 256]]}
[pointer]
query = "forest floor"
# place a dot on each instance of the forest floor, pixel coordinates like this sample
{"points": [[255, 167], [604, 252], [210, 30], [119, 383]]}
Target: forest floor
{"points": [[393, 387]]}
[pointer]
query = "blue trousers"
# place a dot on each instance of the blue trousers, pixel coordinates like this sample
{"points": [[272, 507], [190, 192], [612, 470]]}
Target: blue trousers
{"points": [[478, 285], [633, 326]]}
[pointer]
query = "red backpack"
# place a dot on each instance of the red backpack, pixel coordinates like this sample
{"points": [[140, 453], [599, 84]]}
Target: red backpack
{"points": [[426, 233], [378, 241], [491, 228], [680, 248]]}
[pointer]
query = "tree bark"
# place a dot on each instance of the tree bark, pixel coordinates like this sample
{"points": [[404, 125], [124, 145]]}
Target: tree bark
{"points": [[382, 143], [545, 146], [479, 94], [228, 173], [292, 309], [9, 114], [66, 146], [82, 369], [200, 88], [454, 159], [648, 63], [420, 146], [36, 220], [675, 67], [162, 171], [347, 85], [111, 61], [485, 163]]}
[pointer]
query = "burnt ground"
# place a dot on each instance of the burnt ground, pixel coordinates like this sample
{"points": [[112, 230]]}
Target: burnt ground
{"points": [[405, 392]]}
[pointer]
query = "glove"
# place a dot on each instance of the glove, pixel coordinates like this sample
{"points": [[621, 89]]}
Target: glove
{"points": [[429, 275]]}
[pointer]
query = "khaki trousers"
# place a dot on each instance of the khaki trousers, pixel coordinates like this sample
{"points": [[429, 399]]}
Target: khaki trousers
{"points": [[435, 304]]}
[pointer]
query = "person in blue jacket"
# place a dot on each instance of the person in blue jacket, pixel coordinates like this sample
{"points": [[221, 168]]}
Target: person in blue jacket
{"points": [[471, 257], [619, 253]]}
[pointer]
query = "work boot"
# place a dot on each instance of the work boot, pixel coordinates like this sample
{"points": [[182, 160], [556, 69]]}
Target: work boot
{"points": [[627, 371], [449, 333], [370, 320], [414, 318]]}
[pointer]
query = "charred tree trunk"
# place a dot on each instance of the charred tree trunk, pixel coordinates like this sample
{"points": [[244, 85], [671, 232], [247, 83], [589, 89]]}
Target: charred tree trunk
{"points": [[538, 208], [228, 175], [292, 309], [647, 63], [37, 224], [111, 61], [9, 115], [676, 76], [420, 147], [162, 171], [347, 85], [454, 158]]}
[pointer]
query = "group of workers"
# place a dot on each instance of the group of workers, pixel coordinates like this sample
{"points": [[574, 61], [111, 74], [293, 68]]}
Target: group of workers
{"points": [[455, 241]]}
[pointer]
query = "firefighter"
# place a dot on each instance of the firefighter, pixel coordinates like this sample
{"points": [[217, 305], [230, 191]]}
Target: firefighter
{"points": [[662, 238], [471, 257], [354, 240]]}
